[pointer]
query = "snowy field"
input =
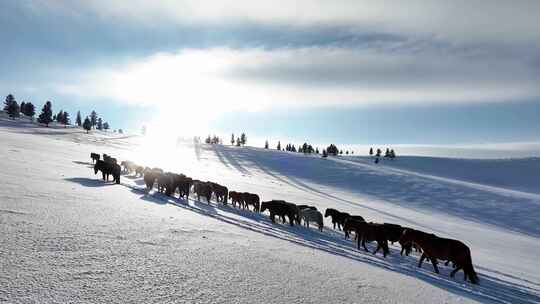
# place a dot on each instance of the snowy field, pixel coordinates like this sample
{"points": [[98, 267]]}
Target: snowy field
{"points": [[67, 237]]}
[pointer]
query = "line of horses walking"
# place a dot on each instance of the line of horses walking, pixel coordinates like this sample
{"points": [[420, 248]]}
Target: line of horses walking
{"points": [[430, 246]]}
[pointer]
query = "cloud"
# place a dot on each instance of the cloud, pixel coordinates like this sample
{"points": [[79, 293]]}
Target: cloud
{"points": [[229, 55], [460, 20], [224, 79]]}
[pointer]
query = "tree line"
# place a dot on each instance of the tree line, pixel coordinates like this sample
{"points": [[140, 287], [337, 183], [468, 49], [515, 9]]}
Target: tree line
{"points": [[46, 116]]}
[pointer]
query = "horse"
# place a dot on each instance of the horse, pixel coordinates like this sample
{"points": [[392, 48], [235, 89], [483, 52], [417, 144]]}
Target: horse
{"points": [[221, 192], [435, 247], [165, 183], [350, 224], [125, 164], [393, 232], [369, 232], [236, 197], [251, 199], [108, 169], [203, 189], [337, 217], [139, 171], [94, 156], [183, 183], [280, 208], [310, 215], [150, 177]]}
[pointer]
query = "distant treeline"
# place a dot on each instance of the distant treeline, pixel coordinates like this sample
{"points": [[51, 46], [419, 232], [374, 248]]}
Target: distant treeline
{"points": [[92, 121]]}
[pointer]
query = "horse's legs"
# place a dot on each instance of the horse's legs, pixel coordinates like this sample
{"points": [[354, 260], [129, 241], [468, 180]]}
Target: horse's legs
{"points": [[364, 244], [385, 249], [421, 260], [434, 262], [272, 217]]}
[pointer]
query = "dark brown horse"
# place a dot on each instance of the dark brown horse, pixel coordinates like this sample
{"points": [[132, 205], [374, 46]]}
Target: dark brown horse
{"points": [[150, 177], [369, 232], [251, 199], [350, 225], [435, 248], [281, 209], [94, 156], [108, 169], [203, 189], [221, 192], [338, 218], [236, 198]]}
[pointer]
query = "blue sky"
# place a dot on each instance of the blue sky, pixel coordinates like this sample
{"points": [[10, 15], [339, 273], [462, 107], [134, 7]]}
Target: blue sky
{"points": [[356, 72]]}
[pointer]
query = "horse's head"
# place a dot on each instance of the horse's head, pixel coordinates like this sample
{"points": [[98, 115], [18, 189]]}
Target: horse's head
{"points": [[328, 212]]}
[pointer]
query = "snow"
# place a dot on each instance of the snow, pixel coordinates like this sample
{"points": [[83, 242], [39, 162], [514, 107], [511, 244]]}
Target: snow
{"points": [[68, 237]]}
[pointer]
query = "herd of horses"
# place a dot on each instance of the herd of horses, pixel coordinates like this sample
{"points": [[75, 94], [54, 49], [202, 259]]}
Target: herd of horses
{"points": [[431, 247]]}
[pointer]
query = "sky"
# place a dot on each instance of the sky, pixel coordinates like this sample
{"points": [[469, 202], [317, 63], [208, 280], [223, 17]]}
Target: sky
{"points": [[347, 72]]}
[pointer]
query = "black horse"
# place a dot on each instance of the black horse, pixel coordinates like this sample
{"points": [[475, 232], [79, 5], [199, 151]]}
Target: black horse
{"points": [[107, 169]]}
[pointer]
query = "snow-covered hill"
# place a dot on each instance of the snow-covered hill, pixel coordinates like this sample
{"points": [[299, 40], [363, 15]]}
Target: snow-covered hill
{"points": [[68, 237]]}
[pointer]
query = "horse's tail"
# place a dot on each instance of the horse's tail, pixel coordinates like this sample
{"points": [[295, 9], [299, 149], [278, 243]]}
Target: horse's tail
{"points": [[469, 270]]}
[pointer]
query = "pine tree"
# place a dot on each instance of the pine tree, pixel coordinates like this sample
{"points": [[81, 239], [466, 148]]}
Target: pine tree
{"points": [[317, 150], [278, 145], [378, 153], [387, 153], [93, 119], [106, 126], [371, 151], [238, 142], [7, 103], [232, 139], [60, 117], [65, 119], [243, 139], [266, 144], [324, 153], [100, 124], [46, 114], [11, 106], [120, 131], [23, 107], [332, 150], [79, 119], [87, 124], [29, 110]]}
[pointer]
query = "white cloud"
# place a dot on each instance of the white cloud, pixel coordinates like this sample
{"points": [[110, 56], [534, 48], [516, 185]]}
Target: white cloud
{"points": [[221, 79], [496, 21]]}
